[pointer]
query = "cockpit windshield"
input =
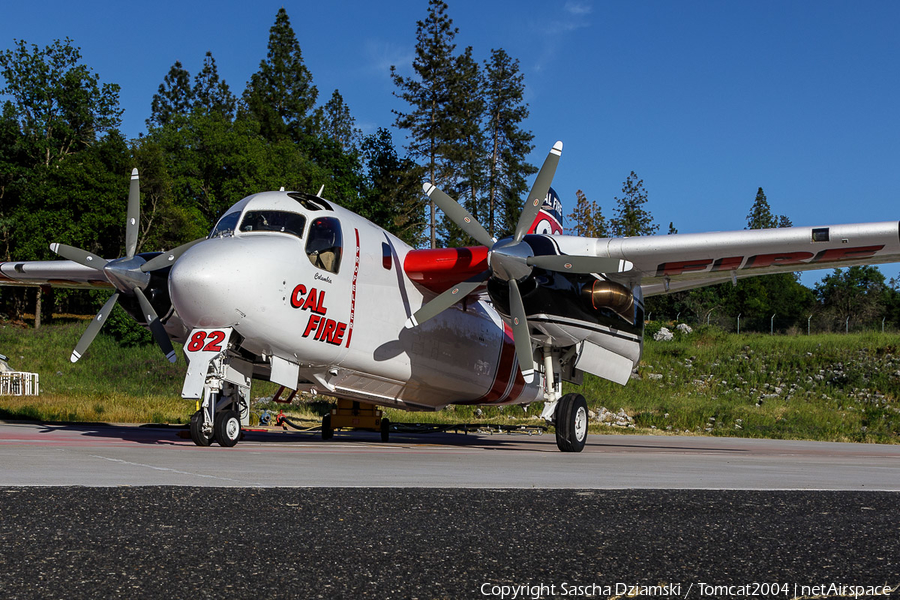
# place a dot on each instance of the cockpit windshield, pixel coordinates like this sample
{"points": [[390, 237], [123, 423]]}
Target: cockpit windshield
{"points": [[273, 220], [226, 225]]}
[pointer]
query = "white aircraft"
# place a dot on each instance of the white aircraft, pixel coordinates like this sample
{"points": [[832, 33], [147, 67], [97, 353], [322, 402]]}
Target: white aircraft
{"points": [[291, 288]]}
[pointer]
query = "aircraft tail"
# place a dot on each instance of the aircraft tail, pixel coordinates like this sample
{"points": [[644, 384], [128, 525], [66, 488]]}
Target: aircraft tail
{"points": [[549, 220]]}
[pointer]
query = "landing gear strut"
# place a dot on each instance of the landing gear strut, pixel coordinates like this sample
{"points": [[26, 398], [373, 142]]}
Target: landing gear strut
{"points": [[219, 379], [568, 413]]}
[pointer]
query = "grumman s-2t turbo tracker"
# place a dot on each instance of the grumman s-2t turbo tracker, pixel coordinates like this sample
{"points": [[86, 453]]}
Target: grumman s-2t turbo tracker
{"points": [[291, 288]]}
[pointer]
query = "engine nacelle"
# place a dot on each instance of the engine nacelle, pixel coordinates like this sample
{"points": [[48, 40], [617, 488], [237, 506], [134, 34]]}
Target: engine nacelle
{"points": [[157, 292]]}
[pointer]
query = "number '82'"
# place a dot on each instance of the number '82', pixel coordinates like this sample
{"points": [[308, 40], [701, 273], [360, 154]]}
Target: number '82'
{"points": [[206, 341]]}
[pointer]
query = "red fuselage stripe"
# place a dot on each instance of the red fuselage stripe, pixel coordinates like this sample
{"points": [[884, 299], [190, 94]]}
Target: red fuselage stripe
{"points": [[508, 382]]}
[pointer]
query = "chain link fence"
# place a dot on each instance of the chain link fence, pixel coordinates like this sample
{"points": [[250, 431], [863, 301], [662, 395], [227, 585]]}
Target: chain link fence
{"points": [[781, 325]]}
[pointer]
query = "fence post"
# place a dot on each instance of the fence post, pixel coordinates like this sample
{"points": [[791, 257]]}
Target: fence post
{"points": [[847, 325], [772, 325], [882, 324], [739, 323], [807, 324]]}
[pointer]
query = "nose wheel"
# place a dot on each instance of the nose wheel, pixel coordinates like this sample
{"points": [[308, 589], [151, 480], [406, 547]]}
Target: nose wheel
{"points": [[198, 435], [227, 428]]}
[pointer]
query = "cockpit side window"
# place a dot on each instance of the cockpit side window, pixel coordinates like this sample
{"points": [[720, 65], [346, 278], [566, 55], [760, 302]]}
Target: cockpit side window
{"points": [[273, 220], [324, 244], [226, 225]]}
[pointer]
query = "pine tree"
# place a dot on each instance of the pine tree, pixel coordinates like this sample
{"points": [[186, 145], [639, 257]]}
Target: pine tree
{"points": [[508, 143], [174, 97], [428, 94], [758, 298], [586, 218], [281, 95], [631, 218], [392, 197], [760, 216], [211, 94], [339, 124], [466, 150]]}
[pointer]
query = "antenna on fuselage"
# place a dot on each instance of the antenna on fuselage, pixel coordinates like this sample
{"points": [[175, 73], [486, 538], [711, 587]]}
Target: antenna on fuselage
{"points": [[321, 189]]}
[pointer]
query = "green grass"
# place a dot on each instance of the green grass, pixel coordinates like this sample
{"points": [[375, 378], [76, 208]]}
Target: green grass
{"points": [[108, 384], [825, 387]]}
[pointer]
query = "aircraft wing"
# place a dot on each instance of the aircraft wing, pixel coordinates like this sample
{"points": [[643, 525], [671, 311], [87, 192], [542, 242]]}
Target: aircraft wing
{"points": [[682, 262], [54, 273]]}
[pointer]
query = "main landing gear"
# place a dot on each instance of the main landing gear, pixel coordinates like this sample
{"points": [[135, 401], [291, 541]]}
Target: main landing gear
{"points": [[569, 413]]}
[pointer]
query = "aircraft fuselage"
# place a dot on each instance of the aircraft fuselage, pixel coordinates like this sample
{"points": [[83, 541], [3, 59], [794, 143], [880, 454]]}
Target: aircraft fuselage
{"points": [[341, 320]]}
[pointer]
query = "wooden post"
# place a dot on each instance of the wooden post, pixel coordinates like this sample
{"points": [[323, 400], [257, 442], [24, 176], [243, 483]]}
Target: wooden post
{"points": [[37, 309]]}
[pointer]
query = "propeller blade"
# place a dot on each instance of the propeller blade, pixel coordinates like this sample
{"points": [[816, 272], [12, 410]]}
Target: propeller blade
{"points": [[578, 264], [166, 259], [521, 335], [94, 328], [80, 256], [538, 192], [156, 327], [446, 300], [134, 215], [460, 215]]}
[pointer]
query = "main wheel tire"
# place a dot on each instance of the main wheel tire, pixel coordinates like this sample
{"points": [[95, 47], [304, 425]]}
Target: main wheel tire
{"points": [[227, 428], [571, 423], [197, 435], [385, 430], [327, 429]]}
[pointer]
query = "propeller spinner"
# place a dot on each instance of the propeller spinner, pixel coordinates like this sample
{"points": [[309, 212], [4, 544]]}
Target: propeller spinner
{"points": [[129, 275]]}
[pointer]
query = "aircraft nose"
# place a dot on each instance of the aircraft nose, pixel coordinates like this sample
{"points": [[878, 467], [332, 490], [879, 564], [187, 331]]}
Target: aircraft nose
{"points": [[217, 283], [200, 281]]}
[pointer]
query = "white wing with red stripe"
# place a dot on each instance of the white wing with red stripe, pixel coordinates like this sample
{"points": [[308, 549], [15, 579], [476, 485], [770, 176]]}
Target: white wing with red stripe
{"points": [[681, 262]]}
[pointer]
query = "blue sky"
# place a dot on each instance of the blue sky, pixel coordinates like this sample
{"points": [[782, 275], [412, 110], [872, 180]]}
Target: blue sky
{"points": [[705, 101]]}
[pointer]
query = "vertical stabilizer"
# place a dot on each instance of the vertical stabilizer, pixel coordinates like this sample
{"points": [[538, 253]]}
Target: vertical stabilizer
{"points": [[549, 220]]}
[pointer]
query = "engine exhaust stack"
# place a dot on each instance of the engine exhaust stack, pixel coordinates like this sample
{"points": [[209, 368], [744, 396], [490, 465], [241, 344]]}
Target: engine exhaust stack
{"points": [[605, 294]]}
